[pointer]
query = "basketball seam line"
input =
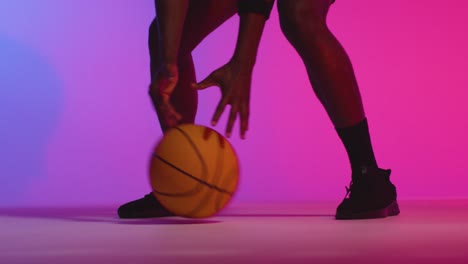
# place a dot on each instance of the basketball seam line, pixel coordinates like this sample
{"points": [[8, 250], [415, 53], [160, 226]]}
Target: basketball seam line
{"points": [[197, 151], [183, 194], [215, 181], [193, 177], [216, 172], [204, 173], [219, 164]]}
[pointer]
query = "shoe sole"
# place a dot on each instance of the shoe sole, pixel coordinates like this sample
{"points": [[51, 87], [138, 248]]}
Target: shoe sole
{"points": [[144, 215], [390, 210]]}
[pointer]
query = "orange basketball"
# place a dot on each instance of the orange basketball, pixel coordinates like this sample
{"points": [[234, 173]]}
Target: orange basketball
{"points": [[194, 171]]}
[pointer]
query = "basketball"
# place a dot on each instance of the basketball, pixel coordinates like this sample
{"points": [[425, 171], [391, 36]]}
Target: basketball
{"points": [[194, 171]]}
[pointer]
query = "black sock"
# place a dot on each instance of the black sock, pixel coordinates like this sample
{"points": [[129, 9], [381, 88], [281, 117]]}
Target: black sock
{"points": [[356, 140]]}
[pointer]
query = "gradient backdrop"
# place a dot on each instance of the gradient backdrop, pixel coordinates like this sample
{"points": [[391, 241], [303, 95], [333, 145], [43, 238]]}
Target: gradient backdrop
{"points": [[77, 127]]}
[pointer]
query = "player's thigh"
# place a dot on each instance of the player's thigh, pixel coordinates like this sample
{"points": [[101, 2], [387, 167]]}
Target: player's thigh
{"points": [[204, 16], [302, 13]]}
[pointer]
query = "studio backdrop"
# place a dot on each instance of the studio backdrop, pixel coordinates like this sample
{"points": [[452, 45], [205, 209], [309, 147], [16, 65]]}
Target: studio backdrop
{"points": [[77, 127]]}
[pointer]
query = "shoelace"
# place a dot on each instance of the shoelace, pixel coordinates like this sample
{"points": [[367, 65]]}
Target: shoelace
{"points": [[353, 186], [348, 190]]}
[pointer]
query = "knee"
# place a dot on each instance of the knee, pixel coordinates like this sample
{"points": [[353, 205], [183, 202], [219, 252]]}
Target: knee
{"points": [[300, 19]]}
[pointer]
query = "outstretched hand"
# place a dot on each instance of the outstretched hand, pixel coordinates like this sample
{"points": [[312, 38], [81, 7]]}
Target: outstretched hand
{"points": [[160, 92], [234, 82]]}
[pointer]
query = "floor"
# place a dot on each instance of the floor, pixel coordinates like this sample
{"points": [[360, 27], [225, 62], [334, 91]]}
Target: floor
{"points": [[425, 232]]}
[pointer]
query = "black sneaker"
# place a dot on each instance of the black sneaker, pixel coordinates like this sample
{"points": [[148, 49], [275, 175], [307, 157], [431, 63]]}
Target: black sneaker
{"points": [[370, 195], [145, 207]]}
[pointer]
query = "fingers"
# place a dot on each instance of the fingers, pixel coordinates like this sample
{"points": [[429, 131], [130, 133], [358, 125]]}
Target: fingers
{"points": [[164, 87], [242, 110], [232, 119], [221, 141], [207, 82], [175, 115], [165, 110], [169, 114], [207, 133], [244, 116], [219, 110], [160, 91]]}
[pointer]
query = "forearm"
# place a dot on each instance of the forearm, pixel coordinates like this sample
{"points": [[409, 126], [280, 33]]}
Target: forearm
{"points": [[171, 15], [250, 32]]}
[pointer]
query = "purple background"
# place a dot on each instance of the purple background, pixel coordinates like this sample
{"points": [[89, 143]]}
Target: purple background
{"points": [[77, 127]]}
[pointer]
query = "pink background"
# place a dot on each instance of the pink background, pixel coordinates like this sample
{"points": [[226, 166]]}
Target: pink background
{"points": [[77, 127]]}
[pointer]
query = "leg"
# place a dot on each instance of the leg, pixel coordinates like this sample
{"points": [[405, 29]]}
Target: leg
{"points": [[203, 17], [330, 72], [332, 76]]}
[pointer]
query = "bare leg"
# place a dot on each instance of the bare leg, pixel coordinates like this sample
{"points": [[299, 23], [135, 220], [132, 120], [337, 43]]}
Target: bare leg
{"points": [[371, 194], [203, 17], [331, 74]]}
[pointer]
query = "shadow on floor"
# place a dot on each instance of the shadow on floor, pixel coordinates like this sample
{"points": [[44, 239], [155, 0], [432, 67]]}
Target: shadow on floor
{"points": [[107, 215], [289, 215], [96, 215]]}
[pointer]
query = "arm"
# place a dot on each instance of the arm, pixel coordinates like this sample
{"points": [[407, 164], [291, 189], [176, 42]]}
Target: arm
{"points": [[253, 15], [250, 31], [234, 78]]}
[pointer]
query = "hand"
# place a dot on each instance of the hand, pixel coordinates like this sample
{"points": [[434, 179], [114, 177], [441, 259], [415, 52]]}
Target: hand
{"points": [[160, 92], [234, 81]]}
